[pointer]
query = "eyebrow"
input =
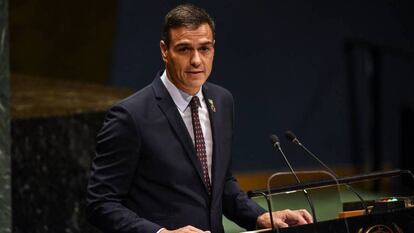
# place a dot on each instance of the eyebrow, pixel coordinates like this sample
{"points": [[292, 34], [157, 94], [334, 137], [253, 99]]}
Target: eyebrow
{"points": [[187, 44]]}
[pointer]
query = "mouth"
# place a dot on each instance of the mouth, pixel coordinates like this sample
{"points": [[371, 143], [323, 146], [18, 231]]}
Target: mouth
{"points": [[195, 72]]}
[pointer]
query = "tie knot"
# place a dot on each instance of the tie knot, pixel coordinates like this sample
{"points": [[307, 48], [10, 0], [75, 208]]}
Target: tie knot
{"points": [[195, 103]]}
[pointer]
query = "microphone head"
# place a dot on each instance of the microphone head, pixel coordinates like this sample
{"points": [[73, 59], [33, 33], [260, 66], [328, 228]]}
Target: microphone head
{"points": [[291, 136], [274, 139]]}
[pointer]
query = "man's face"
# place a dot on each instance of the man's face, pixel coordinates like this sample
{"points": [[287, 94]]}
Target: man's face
{"points": [[189, 57]]}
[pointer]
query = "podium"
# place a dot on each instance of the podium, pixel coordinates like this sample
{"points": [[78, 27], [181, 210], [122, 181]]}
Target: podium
{"points": [[389, 220], [401, 221]]}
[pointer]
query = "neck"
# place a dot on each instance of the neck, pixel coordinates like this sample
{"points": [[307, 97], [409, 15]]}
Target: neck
{"points": [[191, 92]]}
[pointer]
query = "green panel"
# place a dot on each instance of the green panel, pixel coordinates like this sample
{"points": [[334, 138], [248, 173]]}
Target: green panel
{"points": [[327, 204]]}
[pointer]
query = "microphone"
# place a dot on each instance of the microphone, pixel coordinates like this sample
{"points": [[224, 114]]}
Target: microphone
{"points": [[276, 144], [292, 137]]}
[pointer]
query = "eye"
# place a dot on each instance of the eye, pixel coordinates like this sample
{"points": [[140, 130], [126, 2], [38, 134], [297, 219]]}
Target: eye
{"points": [[204, 49], [183, 49]]}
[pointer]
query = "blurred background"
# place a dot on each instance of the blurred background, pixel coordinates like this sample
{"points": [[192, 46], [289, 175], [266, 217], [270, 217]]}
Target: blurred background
{"points": [[340, 74]]}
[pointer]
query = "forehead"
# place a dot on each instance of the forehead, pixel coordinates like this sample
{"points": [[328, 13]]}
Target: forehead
{"points": [[185, 35]]}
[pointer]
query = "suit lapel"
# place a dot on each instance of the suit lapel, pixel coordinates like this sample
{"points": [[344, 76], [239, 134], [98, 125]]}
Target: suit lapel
{"points": [[176, 122], [215, 165]]}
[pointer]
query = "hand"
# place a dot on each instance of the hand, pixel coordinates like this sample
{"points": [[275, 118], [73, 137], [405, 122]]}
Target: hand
{"points": [[285, 218], [186, 229]]}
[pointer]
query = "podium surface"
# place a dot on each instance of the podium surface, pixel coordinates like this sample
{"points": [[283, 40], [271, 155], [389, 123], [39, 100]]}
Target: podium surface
{"points": [[401, 221]]}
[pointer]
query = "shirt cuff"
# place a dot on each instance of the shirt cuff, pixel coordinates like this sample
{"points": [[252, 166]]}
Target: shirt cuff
{"points": [[160, 230]]}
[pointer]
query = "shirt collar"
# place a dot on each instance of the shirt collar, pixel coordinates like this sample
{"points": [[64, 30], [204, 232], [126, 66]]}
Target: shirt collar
{"points": [[180, 98]]}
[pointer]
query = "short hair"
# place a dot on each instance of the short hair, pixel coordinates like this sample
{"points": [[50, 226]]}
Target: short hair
{"points": [[186, 15]]}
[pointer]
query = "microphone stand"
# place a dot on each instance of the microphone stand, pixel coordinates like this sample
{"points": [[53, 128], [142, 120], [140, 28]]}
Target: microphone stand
{"points": [[276, 143], [363, 202], [269, 207], [292, 137]]}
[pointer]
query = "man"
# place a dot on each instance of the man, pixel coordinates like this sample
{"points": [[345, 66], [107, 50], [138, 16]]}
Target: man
{"points": [[163, 156]]}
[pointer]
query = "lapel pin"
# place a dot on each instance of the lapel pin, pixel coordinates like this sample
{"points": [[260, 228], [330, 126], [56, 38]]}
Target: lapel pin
{"points": [[211, 104]]}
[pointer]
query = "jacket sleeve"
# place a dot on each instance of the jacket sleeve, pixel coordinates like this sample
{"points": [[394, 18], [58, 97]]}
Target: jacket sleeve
{"points": [[112, 173], [236, 205]]}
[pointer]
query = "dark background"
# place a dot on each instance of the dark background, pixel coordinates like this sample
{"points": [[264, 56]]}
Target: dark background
{"points": [[337, 73], [340, 74]]}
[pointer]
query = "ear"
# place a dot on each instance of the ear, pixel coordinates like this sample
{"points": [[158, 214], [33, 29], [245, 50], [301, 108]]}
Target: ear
{"points": [[164, 50], [214, 43]]}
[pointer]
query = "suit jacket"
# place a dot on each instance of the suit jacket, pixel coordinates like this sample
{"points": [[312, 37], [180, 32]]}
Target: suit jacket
{"points": [[146, 174]]}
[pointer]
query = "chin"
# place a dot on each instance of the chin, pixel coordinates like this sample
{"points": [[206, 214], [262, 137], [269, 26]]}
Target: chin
{"points": [[197, 84]]}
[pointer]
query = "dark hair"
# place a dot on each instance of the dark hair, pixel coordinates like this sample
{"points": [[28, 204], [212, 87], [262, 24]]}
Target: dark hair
{"points": [[185, 15]]}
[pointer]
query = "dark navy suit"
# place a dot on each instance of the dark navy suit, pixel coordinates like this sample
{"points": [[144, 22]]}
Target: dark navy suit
{"points": [[146, 174]]}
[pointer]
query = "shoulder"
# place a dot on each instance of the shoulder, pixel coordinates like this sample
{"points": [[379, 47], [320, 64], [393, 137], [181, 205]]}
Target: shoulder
{"points": [[216, 90], [138, 98], [133, 106]]}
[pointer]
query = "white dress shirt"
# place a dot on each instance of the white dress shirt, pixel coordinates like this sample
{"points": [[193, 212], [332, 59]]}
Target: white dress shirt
{"points": [[182, 101]]}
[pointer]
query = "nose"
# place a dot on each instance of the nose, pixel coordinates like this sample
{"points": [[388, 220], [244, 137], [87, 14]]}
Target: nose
{"points": [[195, 59]]}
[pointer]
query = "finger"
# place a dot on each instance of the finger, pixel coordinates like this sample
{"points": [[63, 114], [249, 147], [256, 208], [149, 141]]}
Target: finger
{"points": [[306, 215], [263, 221], [294, 218], [280, 223], [192, 229]]}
